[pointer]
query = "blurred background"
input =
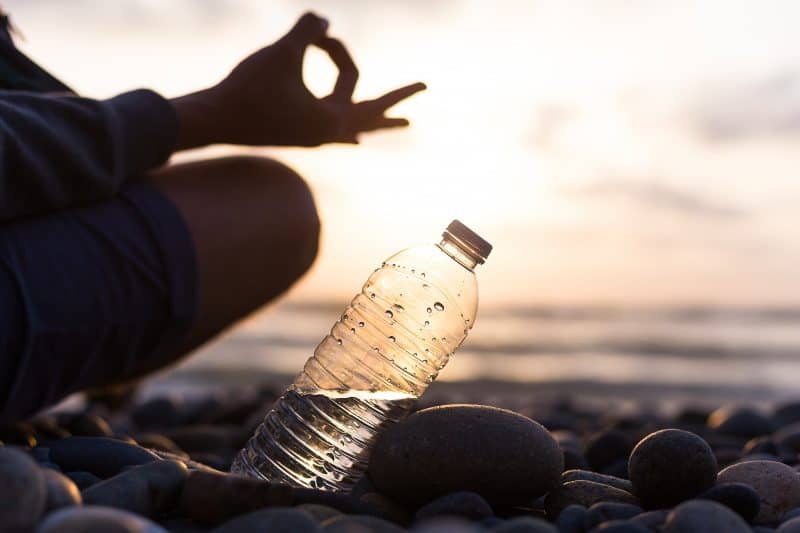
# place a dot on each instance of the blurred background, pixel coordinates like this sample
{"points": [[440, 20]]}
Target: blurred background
{"points": [[633, 163]]}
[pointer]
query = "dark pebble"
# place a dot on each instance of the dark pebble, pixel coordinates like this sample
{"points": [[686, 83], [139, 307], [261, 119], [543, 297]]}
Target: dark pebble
{"points": [[786, 414], [652, 520], [588, 475], [760, 445], [159, 442], [83, 480], [778, 486], [319, 512], [789, 437], [571, 519], [102, 456], [791, 513], [215, 460], [359, 524], [574, 460], [273, 520], [204, 438], [61, 491], [607, 511], [739, 497], [620, 526], [19, 433], [704, 516], [503, 456], [464, 503], [158, 412], [362, 486], [727, 456], [46, 428], [442, 524], [491, 521], [89, 518], [148, 489], [670, 466], [376, 504], [605, 449], [739, 422], [524, 524], [23, 490], [618, 469], [791, 526], [585, 493], [86, 425]]}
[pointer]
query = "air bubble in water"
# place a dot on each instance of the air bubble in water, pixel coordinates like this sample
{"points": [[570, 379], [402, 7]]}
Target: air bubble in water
{"points": [[339, 342], [352, 330], [399, 307], [391, 338], [438, 306], [361, 324], [389, 314], [372, 295], [427, 322], [429, 310]]}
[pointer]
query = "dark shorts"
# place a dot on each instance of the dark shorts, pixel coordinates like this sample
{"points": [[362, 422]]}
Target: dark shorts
{"points": [[92, 296]]}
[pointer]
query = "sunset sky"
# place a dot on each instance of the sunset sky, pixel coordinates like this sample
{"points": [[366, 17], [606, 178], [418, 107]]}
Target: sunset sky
{"points": [[612, 151]]}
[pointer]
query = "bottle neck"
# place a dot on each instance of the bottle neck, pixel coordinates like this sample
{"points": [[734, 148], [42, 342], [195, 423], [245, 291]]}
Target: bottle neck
{"points": [[459, 253]]}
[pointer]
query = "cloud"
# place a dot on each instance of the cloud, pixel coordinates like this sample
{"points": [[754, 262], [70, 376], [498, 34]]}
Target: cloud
{"points": [[657, 195], [768, 107]]}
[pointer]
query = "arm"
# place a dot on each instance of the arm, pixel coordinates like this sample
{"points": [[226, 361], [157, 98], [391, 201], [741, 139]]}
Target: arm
{"points": [[57, 151]]}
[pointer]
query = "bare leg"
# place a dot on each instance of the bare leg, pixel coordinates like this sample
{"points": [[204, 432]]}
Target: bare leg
{"points": [[255, 230]]}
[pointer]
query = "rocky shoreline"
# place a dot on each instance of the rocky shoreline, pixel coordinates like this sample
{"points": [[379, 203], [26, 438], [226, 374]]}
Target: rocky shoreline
{"points": [[549, 465]]}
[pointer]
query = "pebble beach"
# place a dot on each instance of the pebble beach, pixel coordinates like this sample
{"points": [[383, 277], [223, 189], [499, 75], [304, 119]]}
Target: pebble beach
{"points": [[548, 463]]}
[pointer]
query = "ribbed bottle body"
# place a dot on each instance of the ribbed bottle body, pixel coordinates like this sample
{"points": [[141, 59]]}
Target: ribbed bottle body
{"points": [[382, 353]]}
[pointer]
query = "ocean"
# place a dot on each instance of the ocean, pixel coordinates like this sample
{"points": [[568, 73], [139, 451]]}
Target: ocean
{"points": [[702, 354]]}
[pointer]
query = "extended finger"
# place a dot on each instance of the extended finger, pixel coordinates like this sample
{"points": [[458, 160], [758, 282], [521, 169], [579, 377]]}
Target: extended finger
{"points": [[309, 29], [379, 105], [348, 72]]}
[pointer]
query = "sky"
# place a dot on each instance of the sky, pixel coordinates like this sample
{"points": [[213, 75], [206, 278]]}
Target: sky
{"points": [[614, 152]]}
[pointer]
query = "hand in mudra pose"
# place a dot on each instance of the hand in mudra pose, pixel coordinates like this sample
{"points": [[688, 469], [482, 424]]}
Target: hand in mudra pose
{"points": [[263, 101]]}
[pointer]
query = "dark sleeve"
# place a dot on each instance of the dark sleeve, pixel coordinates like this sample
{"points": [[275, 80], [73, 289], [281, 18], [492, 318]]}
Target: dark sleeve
{"points": [[61, 150]]}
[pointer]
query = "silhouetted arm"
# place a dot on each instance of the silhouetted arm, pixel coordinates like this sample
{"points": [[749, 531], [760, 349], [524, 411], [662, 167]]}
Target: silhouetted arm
{"points": [[60, 150]]}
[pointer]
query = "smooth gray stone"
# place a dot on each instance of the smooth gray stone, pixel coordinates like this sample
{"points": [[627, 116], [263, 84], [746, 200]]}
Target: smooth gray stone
{"points": [[777, 485], [608, 511], [505, 457], [463, 503], [571, 519], [102, 456], [442, 524], [83, 480], [585, 493], [318, 511], [670, 466], [620, 526], [272, 520], [652, 520], [791, 526], [704, 516], [739, 497], [588, 475], [23, 492], [146, 489], [61, 491], [91, 519]]}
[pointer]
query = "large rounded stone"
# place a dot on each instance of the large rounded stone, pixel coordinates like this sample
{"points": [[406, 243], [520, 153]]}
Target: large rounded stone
{"points": [[23, 490], [503, 456], [738, 497], [102, 456], [146, 489], [670, 466], [271, 521], [61, 490], [704, 516], [790, 526], [777, 484], [585, 493], [89, 518]]}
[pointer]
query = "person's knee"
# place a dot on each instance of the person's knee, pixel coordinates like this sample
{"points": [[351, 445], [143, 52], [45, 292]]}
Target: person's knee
{"points": [[276, 182]]}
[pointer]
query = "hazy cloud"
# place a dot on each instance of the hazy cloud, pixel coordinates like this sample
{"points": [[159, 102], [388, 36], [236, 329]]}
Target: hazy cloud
{"points": [[657, 195], [765, 107]]}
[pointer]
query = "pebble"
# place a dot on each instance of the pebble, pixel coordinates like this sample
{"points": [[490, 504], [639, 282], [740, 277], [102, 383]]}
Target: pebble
{"points": [[449, 524], [158, 412], [652, 520], [585, 493], [789, 437], [23, 491], [159, 442], [777, 485], [377, 504], [464, 503], [503, 456], [607, 511], [19, 433], [83, 480], [88, 518], [704, 516], [739, 422], [86, 425], [102, 456], [571, 519], [272, 520], [670, 466], [524, 524], [359, 524], [574, 460], [61, 491], [791, 526], [606, 448], [791, 513], [620, 526], [786, 414], [588, 475], [318, 511], [147, 489], [739, 497]]}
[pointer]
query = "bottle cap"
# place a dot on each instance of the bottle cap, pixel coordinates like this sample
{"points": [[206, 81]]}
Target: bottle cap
{"points": [[468, 239]]}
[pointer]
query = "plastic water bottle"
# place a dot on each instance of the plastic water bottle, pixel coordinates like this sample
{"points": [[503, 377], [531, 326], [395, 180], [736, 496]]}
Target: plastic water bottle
{"points": [[388, 346]]}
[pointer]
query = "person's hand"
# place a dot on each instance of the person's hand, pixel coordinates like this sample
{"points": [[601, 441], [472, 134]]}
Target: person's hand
{"points": [[263, 101]]}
